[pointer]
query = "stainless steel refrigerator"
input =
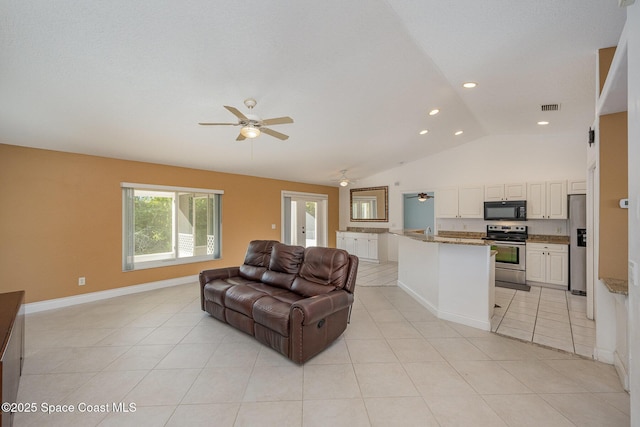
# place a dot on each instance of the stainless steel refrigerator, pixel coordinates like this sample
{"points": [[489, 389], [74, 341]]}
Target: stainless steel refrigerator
{"points": [[578, 244]]}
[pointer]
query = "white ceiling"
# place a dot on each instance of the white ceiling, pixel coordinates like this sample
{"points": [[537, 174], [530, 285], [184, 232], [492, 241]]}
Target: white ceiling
{"points": [[131, 79]]}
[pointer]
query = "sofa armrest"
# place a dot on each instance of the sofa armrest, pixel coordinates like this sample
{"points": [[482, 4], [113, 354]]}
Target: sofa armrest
{"points": [[320, 306], [207, 276]]}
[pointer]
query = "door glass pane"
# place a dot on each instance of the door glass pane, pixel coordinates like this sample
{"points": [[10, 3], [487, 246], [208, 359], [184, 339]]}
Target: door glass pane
{"points": [[311, 224]]}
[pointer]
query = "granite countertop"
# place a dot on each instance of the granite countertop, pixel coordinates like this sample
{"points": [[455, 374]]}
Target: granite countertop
{"points": [[544, 238], [474, 237], [364, 230], [616, 286], [441, 238]]}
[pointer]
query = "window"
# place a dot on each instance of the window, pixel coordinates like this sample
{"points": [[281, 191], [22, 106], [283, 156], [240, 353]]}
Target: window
{"points": [[169, 225]]}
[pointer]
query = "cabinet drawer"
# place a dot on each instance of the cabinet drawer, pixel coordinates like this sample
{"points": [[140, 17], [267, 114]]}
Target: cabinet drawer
{"points": [[548, 247]]}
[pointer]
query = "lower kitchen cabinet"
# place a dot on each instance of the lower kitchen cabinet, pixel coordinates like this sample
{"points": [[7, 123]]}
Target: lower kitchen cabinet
{"points": [[366, 246], [548, 263]]}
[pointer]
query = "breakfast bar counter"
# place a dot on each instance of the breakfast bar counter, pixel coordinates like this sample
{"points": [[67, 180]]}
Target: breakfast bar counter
{"points": [[452, 277]]}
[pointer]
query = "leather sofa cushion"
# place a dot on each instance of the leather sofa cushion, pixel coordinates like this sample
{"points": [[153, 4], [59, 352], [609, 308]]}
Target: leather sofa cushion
{"points": [[251, 272], [257, 258], [325, 266], [273, 314], [241, 298], [285, 263], [307, 288], [259, 253], [286, 258], [215, 291]]}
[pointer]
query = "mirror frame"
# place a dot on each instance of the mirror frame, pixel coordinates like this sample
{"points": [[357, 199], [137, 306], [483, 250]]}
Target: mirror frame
{"points": [[386, 204]]}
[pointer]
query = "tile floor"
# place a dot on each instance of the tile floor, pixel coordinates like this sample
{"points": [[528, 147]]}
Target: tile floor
{"points": [[549, 317], [372, 274], [396, 364]]}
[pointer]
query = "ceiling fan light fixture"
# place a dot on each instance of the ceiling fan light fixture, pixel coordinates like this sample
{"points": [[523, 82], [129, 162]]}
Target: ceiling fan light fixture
{"points": [[250, 131], [424, 132], [422, 198], [344, 183], [434, 112]]}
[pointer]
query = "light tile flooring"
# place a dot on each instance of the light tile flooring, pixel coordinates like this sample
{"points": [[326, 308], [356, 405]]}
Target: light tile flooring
{"points": [[549, 317], [371, 274], [396, 364]]}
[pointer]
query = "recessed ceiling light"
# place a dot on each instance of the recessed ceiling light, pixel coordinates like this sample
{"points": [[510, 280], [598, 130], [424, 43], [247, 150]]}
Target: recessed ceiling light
{"points": [[434, 112], [459, 133], [543, 123], [469, 85], [422, 132]]}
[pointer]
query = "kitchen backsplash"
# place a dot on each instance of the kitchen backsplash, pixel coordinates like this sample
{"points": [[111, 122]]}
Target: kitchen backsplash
{"points": [[557, 227]]}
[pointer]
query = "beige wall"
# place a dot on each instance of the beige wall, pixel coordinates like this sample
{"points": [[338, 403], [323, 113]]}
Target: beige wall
{"points": [[605, 57], [61, 218], [614, 229]]}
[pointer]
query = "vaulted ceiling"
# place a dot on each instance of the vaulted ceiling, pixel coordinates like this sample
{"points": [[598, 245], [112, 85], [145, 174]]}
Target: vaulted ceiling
{"points": [[132, 79]]}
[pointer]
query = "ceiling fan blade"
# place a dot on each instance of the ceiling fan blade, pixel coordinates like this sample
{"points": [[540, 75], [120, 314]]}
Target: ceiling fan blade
{"points": [[236, 112], [277, 121], [275, 134], [241, 137], [218, 124]]}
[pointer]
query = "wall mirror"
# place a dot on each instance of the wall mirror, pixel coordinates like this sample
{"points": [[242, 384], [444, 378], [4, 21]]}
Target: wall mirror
{"points": [[370, 204]]}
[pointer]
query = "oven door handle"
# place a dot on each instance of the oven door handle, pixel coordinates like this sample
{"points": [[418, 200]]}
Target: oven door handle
{"points": [[503, 243]]}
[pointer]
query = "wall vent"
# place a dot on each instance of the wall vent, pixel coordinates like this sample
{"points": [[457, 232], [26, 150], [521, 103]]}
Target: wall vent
{"points": [[550, 107]]}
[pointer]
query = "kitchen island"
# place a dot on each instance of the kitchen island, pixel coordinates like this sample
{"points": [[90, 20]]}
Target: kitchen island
{"points": [[452, 277]]}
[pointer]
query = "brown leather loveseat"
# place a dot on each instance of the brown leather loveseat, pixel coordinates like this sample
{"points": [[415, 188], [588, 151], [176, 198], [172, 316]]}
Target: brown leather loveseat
{"points": [[293, 299]]}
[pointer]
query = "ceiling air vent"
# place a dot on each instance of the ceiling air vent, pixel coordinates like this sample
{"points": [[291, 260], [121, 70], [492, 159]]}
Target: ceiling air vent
{"points": [[550, 107]]}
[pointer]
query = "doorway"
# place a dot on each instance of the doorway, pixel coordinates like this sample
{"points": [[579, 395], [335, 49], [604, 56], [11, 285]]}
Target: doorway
{"points": [[304, 219], [418, 215]]}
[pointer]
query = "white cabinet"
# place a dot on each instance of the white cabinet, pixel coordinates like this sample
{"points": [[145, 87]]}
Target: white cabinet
{"points": [[366, 246], [548, 263], [547, 200], [460, 202], [447, 202], [500, 192], [577, 187]]}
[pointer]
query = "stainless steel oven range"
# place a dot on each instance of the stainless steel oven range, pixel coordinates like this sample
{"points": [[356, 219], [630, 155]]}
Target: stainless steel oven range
{"points": [[511, 262]]}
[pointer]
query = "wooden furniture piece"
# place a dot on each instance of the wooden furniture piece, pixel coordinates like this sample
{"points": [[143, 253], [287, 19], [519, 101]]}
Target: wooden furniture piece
{"points": [[11, 349]]}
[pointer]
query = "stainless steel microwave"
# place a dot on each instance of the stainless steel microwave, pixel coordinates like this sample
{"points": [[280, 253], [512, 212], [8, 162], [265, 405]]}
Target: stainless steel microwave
{"points": [[510, 210]]}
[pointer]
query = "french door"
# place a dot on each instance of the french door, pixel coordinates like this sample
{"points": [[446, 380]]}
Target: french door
{"points": [[304, 219]]}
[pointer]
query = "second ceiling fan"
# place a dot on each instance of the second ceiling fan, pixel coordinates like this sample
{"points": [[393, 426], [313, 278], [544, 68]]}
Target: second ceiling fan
{"points": [[422, 197], [252, 125]]}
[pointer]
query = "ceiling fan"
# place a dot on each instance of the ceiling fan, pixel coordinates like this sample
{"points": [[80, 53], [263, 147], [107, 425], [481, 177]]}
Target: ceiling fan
{"points": [[422, 197], [344, 181], [252, 125]]}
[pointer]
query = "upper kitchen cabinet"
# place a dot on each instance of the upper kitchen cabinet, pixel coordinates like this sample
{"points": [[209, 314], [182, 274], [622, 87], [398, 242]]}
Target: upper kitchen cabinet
{"points": [[547, 200], [577, 187], [460, 202], [500, 192]]}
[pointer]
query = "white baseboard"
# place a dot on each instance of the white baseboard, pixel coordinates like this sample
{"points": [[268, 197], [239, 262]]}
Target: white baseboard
{"points": [[604, 356], [35, 307], [467, 321], [426, 304], [622, 372], [485, 326]]}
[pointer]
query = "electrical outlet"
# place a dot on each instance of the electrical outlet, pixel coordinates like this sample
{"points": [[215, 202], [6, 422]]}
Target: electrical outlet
{"points": [[464, 226], [273, 226], [558, 230], [81, 281]]}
